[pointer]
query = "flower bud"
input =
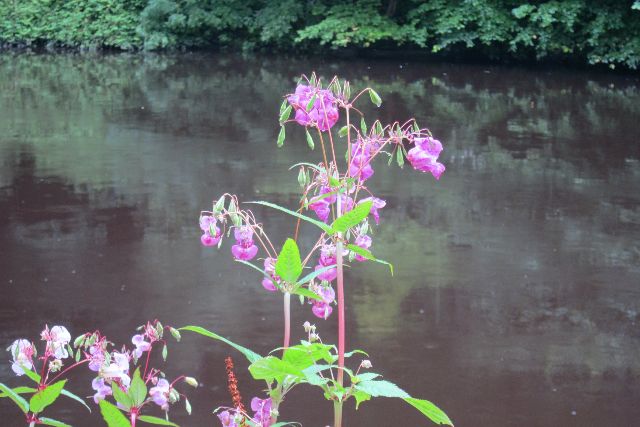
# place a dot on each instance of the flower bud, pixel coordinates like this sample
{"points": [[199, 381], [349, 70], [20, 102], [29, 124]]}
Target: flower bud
{"points": [[175, 333], [55, 365], [191, 381], [307, 326], [366, 364]]}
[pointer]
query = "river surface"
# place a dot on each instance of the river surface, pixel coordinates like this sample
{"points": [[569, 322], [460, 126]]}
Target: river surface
{"points": [[516, 299]]}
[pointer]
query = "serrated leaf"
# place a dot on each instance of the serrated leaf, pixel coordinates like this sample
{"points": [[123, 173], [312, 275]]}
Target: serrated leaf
{"points": [[367, 376], [343, 131], [375, 98], [120, 396], [381, 388], [17, 399], [155, 420], [315, 222], [137, 389], [281, 136], [51, 422], [309, 140], [360, 397], [112, 415], [365, 253], [352, 218], [46, 396], [429, 410], [271, 368], [284, 115], [289, 264], [249, 354]]}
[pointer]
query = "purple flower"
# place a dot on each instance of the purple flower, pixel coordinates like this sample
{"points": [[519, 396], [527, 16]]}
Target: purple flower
{"points": [[321, 309], [57, 339], [244, 249], [360, 167], [141, 345], [227, 418], [322, 209], [96, 358], [347, 203], [22, 352], [327, 258], [424, 156], [376, 204], [364, 242], [327, 293], [117, 369], [206, 221], [102, 390], [160, 394], [262, 411], [270, 269], [323, 113], [211, 232]]}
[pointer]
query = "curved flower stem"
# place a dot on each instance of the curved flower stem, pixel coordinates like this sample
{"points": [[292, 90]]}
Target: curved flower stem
{"points": [[287, 319]]}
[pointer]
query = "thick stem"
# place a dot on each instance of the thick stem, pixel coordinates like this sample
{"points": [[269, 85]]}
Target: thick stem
{"points": [[341, 322], [287, 319], [337, 413], [133, 419]]}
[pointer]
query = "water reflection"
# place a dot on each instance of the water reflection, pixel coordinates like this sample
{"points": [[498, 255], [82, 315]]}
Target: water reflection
{"points": [[515, 300]]}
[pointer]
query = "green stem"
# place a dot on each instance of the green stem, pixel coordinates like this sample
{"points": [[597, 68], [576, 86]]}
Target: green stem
{"points": [[337, 413], [287, 319]]}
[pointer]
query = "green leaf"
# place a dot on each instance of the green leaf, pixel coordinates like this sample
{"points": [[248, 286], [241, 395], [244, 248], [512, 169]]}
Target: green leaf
{"points": [[17, 399], [283, 106], [155, 420], [360, 397], [334, 182], [249, 354], [137, 389], [343, 131], [289, 264], [271, 368], [430, 410], [399, 157], [309, 277], [121, 397], [309, 140], [20, 390], [284, 115], [112, 415], [46, 396], [315, 222], [298, 356], [164, 352], [379, 128], [281, 136], [310, 103], [367, 376], [363, 126], [381, 388], [351, 353], [52, 422], [352, 218], [365, 253], [306, 293], [76, 398], [32, 375], [375, 98]]}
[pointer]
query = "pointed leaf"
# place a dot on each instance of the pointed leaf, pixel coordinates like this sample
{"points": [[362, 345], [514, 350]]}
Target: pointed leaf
{"points": [[310, 103], [400, 157], [352, 218], [365, 253], [343, 131], [20, 390], [430, 410], [155, 420], [32, 375], [17, 399], [76, 398], [307, 293], [271, 368], [315, 222], [46, 396], [112, 415], [249, 354], [360, 397], [284, 116], [375, 98], [309, 140], [137, 389], [381, 388], [283, 106], [309, 277], [52, 422], [363, 126], [289, 264], [120, 396]]}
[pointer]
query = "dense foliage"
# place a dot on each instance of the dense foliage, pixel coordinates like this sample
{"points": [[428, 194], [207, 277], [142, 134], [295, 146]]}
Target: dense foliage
{"points": [[579, 30]]}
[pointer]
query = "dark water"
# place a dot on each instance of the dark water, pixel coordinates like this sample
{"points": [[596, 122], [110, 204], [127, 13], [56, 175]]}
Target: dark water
{"points": [[516, 300]]}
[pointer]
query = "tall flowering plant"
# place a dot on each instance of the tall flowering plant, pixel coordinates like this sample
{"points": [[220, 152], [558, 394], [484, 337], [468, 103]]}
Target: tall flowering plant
{"points": [[337, 199]]}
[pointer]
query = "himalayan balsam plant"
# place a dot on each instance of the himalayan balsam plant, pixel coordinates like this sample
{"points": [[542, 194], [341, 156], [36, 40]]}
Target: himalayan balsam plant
{"points": [[337, 200], [133, 388]]}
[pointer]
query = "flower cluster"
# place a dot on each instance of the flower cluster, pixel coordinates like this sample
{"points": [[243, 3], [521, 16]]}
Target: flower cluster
{"points": [[323, 113], [237, 418]]}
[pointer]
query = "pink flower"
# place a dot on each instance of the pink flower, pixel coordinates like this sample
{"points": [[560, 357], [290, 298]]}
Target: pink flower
{"points": [[227, 418], [324, 111], [321, 309], [327, 258], [141, 345], [270, 269], [424, 156], [360, 167], [364, 242], [22, 352], [211, 232], [376, 204], [160, 394], [262, 409], [57, 339], [322, 209], [244, 249], [102, 390], [327, 293]]}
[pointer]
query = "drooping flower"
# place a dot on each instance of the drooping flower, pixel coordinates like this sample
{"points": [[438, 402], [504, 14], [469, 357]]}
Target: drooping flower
{"points": [[22, 352], [262, 411], [96, 357], [211, 232], [160, 394], [118, 369], [228, 419], [376, 204], [360, 167], [364, 242], [102, 390], [141, 345], [327, 259], [327, 293], [321, 208], [323, 112], [270, 269], [57, 339], [321, 309], [346, 202], [244, 249], [424, 156]]}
